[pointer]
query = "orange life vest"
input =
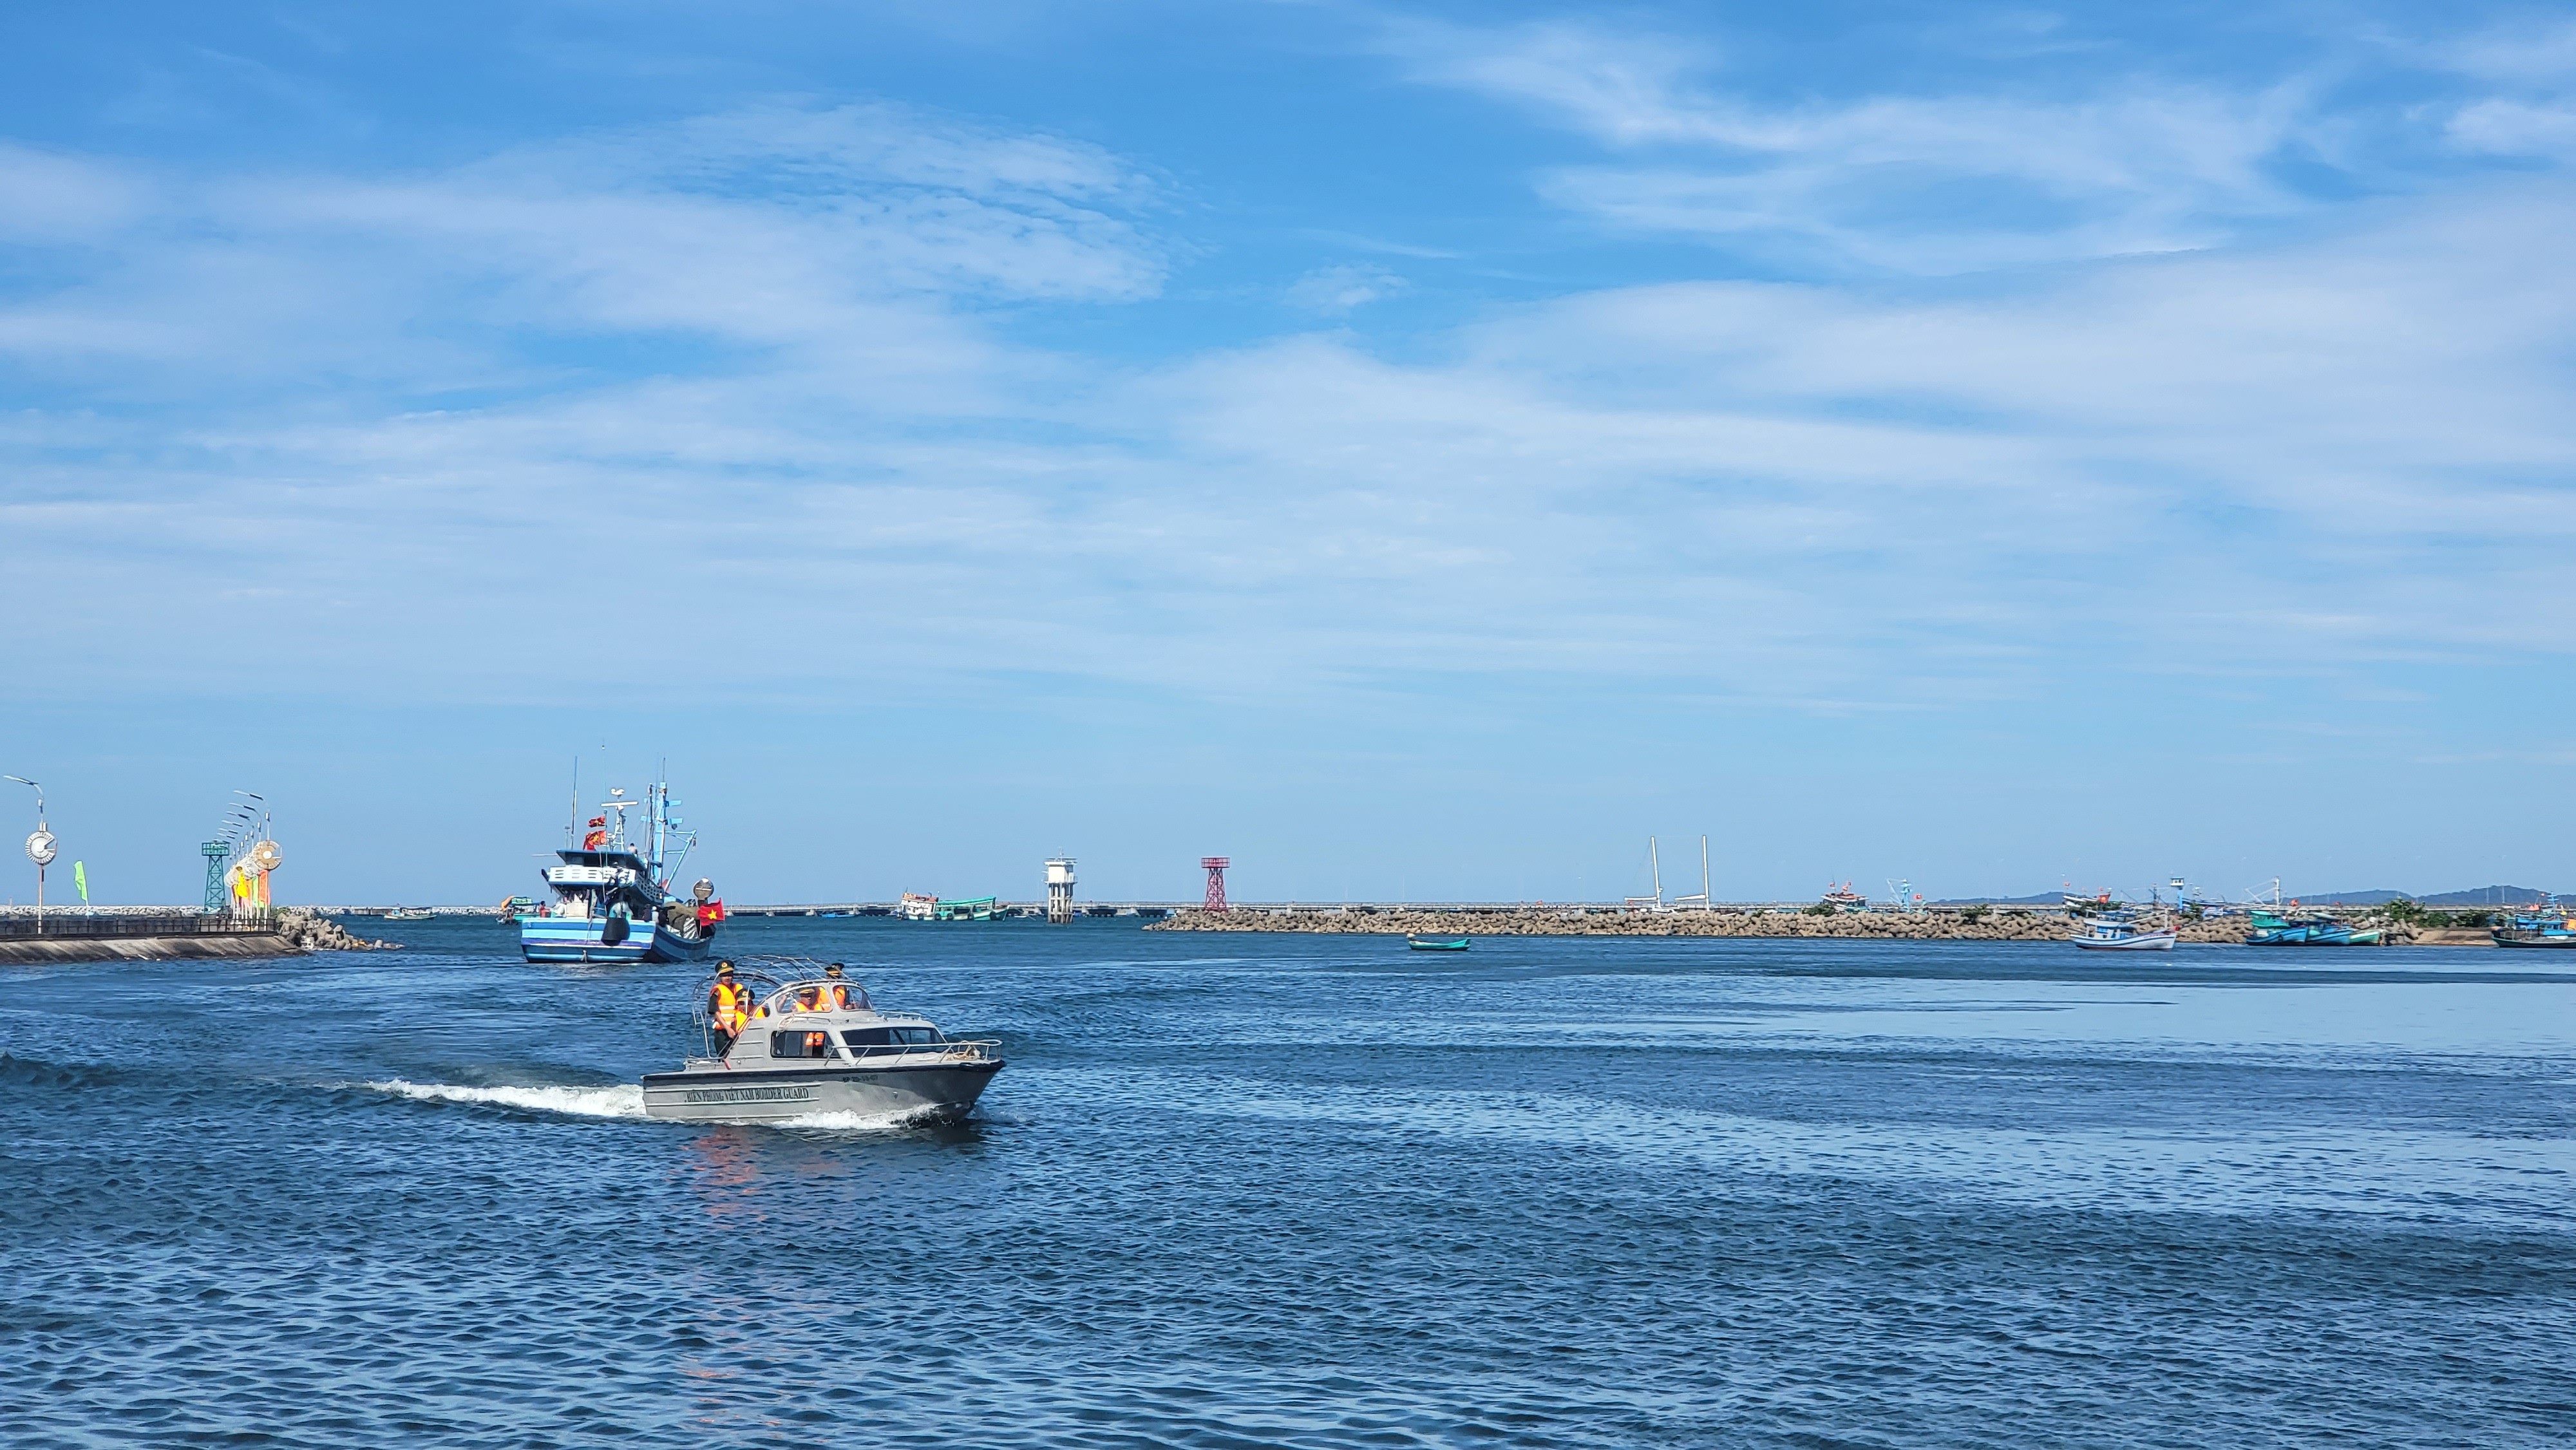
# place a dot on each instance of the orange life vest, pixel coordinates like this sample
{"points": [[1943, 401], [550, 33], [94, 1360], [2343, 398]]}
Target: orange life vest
{"points": [[817, 1045], [832, 997], [729, 998]]}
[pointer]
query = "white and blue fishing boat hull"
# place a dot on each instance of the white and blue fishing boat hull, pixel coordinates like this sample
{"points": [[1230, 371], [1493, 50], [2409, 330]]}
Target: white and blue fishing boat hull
{"points": [[585, 939]]}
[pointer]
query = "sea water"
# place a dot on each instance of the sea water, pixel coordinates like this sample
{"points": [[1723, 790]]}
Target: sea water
{"points": [[1253, 1190]]}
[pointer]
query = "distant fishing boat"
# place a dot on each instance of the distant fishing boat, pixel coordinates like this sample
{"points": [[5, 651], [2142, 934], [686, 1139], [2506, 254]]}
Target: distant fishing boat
{"points": [[1434, 944], [612, 901], [2554, 927], [2271, 929], [408, 913], [1842, 898], [918, 907], [2120, 931]]}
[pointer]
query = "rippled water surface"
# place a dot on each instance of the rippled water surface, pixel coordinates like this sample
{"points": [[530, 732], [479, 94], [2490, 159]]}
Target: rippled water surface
{"points": [[1281, 1190]]}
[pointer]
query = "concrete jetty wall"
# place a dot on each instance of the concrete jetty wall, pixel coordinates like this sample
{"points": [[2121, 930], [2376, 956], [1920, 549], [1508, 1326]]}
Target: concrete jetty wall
{"points": [[294, 932]]}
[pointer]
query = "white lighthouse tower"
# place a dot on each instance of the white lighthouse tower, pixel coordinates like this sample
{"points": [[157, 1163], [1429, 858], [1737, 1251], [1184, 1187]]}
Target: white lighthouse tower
{"points": [[1060, 889]]}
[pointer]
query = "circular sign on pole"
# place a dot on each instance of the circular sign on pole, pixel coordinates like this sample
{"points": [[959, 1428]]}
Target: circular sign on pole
{"points": [[40, 848]]}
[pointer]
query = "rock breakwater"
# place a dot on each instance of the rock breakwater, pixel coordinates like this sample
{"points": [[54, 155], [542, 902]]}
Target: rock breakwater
{"points": [[306, 931], [1938, 924]]}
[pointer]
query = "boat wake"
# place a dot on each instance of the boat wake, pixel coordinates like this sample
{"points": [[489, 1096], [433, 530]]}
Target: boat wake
{"points": [[856, 1122], [626, 1100], [618, 1100]]}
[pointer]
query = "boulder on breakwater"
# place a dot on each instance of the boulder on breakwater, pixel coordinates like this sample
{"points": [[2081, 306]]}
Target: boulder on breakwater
{"points": [[1936, 923], [1931, 924]]}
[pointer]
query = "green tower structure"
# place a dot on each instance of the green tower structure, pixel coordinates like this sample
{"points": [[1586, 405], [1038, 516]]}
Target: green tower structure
{"points": [[216, 853]]}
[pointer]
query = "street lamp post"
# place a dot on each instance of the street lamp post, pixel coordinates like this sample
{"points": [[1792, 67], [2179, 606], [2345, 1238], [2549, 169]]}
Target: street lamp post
{"points": [[40, 849]]}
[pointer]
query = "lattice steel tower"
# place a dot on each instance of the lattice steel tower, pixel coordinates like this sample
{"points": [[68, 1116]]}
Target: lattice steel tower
{"points": [[1215, 868], [218, 895]]}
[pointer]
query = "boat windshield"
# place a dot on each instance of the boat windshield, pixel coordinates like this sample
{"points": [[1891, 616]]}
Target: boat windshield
{"points": [[866, 1037]]}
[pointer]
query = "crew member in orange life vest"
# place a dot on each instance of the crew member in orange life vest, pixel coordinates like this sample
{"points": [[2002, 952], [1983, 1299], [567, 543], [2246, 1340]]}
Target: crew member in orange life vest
{"points": [[728, 1007], [834, 994]]}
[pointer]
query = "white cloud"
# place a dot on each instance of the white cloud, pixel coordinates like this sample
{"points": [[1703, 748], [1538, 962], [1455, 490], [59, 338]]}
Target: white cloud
{"points": [[47, 197], [1342, 287], [1831, 495], [852, 230], [1907, 183]]}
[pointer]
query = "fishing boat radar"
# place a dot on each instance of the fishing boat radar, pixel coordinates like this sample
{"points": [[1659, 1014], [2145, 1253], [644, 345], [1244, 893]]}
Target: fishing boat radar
{"points": [[787, 1037], [612, 899]]}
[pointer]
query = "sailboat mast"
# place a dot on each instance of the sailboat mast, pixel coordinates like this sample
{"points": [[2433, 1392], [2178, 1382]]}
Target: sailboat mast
{"points": [[1655, 863]]}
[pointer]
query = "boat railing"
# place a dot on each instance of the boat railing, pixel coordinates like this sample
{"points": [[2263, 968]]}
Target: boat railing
{"points": [[963, 1049]]}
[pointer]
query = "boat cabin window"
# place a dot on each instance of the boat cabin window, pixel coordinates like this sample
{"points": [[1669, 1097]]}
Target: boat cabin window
{"points": [[800, 1044], [863, 1039]]}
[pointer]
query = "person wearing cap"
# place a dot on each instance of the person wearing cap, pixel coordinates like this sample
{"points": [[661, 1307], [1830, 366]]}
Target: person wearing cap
{"points": [[834, 994], [728, 1006]]}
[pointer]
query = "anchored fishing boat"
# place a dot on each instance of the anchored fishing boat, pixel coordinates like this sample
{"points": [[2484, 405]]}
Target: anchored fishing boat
{"points": [[815, 1043], [2271, 929], [2121, 931], [612, 901], [1843, 898], [918, 906], [2553, 927], [1435, 944]]}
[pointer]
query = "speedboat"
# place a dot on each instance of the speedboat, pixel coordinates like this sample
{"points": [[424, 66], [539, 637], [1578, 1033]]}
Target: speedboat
{"points": [[2119, 931], [817, 1044]]}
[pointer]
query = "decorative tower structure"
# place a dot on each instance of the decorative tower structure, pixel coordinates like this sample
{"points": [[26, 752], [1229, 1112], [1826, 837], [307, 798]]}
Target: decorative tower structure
{"points": [[218, 854], [1215, 868], [1060, 890]]}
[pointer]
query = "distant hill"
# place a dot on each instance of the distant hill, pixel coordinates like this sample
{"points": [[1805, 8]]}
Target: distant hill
{"points": [[2482, 896], [2487, 896]]}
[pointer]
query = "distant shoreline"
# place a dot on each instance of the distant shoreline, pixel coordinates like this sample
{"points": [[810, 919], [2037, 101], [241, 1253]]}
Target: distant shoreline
{"points": [[1930, 924]]}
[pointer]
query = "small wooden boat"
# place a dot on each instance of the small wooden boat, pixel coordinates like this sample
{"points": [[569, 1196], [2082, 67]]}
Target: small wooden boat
{"points": [[2120, 931], [1429, 944]]}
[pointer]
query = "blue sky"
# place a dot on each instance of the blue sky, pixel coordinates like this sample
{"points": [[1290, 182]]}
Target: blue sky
{"points": [[1415, 450]]}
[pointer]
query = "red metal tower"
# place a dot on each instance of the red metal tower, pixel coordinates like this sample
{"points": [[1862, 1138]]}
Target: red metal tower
{"points": [[1215, 866]]}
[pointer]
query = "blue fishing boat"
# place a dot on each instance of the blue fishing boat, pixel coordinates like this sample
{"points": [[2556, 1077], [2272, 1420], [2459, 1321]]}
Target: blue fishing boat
{"points": [[1435, 944], [2271, 929], [612, 900], [2553, 925]]}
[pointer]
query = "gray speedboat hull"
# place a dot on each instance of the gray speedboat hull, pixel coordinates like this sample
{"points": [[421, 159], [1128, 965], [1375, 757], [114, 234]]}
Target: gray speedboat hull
{"points": [[935, 1090]]}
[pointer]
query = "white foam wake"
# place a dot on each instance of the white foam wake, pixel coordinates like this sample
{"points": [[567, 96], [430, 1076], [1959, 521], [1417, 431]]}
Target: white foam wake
{"points": [[618, 1100], [854, 1122]]}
